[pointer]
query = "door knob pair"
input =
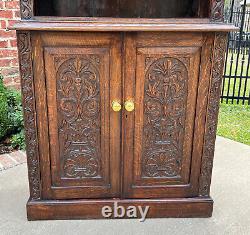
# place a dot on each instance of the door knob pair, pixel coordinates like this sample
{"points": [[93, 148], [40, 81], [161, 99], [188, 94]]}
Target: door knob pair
{"points": [[128, 105]]}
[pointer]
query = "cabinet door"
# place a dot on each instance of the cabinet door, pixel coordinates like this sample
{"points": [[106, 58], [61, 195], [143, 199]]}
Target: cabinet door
{"points": [[77, 77], [167, 76]]}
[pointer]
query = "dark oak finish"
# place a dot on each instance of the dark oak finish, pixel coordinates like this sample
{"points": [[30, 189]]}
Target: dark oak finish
{"points": [[29, 109], [83, 153], [91, 209], [218, 57], [127, 25]]}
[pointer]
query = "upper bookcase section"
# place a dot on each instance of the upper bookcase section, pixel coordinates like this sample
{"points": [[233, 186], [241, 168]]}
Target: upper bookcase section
{"points": [[118, 8], [212, 9]]}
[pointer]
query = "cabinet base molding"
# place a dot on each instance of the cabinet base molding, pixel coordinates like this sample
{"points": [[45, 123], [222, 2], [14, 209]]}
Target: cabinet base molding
{"points": [[92, 209]]}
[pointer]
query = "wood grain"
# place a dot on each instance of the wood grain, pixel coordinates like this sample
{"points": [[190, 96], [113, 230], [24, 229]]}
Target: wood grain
{"points": [[159, 169], [82, 56], [77, 162], [91, 209], [30, 116], [114, 25], [212, 112]]}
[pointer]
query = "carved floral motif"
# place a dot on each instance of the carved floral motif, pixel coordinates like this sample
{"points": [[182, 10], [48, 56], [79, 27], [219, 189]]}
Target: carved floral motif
{"points": [[78, 97], [212, 113], [164, 117], [29, 105]]}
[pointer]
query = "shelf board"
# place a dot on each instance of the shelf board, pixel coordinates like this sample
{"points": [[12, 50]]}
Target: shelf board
{"points": [[121, 24]]}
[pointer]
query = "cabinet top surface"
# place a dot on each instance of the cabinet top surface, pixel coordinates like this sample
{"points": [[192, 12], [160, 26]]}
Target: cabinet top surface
{"points": [[107, 24]]}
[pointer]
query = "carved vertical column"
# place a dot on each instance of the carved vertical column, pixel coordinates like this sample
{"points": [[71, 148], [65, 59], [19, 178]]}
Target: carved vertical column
{"points": [[29, 108], [212, 113], [217, 10], [26, 9]]}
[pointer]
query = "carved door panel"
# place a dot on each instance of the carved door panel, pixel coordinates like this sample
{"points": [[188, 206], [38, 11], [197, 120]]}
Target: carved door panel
{"points": [[163, 73], [82, 75]]}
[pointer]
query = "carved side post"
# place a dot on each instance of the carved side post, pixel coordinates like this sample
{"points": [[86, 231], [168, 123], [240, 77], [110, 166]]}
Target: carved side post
{"points": [[26, 9], [212, 113], [217, 10], [29, 108]]}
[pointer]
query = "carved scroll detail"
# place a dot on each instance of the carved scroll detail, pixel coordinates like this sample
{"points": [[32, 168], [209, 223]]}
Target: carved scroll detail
{"points": [[79, 121], [164, 117], [212, 113], [217, 10], [26, 9], [29, 108]]}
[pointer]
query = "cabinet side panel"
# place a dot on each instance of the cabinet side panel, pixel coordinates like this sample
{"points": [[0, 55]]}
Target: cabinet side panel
{"points": [[212, 113], [29, 107]]}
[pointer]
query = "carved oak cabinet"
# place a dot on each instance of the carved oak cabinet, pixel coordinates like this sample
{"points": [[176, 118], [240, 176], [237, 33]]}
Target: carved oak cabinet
{"points": [[120, 103]]}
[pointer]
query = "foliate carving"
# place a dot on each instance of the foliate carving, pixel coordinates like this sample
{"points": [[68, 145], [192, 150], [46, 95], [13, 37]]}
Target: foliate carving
{"points": [[165, 96], [212, 113], [78, 97], [217, 10], [26, 9], [29, 107]]}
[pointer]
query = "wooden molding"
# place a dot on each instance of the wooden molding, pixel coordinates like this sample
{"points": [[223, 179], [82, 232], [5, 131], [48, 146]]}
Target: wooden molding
{"points": [[123, 25]]}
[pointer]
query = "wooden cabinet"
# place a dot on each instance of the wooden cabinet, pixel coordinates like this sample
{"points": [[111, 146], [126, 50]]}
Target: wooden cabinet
{"points": [[120, 110]]}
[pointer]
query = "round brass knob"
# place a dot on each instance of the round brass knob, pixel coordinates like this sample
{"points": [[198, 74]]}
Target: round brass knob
{"points": [[129, 105], [116, 106]]}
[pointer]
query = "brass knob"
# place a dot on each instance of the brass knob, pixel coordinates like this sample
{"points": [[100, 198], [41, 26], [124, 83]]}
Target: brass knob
{"points": [[129, 105], [116, 106]]}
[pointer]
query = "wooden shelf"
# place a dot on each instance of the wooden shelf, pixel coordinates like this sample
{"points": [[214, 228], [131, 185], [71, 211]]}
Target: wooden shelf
{"points": [[118, 24]]}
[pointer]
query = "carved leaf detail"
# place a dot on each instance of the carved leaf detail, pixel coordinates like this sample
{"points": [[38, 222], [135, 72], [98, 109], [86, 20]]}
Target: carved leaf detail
{"points": [[212, 113], [28, 94], [78, 97], [164, 117]]}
